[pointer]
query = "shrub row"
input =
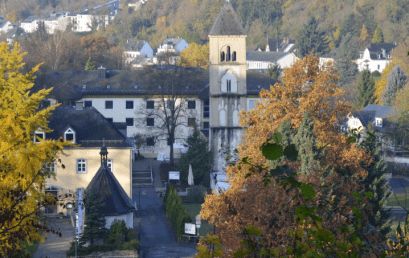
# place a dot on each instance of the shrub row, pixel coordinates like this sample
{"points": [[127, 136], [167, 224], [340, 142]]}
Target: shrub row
{"points": [[177, 213]]}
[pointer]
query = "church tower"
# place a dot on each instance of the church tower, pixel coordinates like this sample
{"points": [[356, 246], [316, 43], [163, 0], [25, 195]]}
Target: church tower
{"points": [[228, 90]]}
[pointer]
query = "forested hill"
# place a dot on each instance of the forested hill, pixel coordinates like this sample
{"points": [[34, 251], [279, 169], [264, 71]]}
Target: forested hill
{"points": [[192, 19]]}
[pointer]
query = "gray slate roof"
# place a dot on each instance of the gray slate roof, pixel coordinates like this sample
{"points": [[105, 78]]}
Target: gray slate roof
{"points": [[68, 85], [376, 49], [227, 22], [264, 56], [370, 112], [171, 41], [106, 186], [134, 45], [281, 44], [89, 125]]}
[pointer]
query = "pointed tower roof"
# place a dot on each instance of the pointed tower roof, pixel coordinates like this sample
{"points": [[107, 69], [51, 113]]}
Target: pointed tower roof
{"points": [[227, 23], [113, 195]]}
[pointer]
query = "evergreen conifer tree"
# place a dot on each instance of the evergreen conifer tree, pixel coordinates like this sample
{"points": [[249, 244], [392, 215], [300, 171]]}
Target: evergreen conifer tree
{"points": [[198, 156], [94, 217], [375, 183], [366, 90], [378, 35], [347, 52], [90, 64], [311, 40], [349, 26], [396, 81]]}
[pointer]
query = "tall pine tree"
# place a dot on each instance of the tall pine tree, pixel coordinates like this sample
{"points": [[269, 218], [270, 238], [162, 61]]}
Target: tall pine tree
{"points": [[366, 90], [94, 217], [311, 40], [396, 81], [347, 52], [90, 64], [378, 35]]}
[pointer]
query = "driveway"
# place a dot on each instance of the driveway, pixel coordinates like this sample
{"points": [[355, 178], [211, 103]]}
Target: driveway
{"points": [[158, 238], [55, 246]]}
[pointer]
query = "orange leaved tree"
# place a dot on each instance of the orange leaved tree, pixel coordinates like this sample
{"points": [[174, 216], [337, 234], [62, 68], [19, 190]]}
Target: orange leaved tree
{"points": [[304, 108]]}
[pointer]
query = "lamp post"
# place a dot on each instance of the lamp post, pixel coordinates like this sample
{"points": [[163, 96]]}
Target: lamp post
{"points": [[198, 222]]}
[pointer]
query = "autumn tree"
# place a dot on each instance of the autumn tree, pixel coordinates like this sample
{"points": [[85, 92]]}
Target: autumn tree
{"points": [[378, 35], [195, 55], [310, 40], [396, 81], [366, 89], [326, 158], [22, 161]]}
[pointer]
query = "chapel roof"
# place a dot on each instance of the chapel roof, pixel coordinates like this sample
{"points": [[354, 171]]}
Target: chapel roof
{"points": [[227, 22]]}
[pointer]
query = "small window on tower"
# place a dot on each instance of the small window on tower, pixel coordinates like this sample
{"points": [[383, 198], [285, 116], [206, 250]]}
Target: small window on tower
{"points": [[228, 54], [222, 56], [228, 85], [233, 57]]}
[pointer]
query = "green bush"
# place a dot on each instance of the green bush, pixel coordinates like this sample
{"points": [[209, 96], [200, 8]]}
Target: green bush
{"points": [[117, 234], [177, 213], [197, 194], [131, 245]]}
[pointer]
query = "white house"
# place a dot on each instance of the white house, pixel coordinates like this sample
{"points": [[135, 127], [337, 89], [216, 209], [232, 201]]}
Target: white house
{"points": [[172, 45], [375, 57], [263, 60], [30, 24], [135, 48], [5, 26]]}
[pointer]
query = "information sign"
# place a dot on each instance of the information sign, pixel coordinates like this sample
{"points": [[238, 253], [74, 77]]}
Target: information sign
{"points": [[190, 228], [174, 175]]}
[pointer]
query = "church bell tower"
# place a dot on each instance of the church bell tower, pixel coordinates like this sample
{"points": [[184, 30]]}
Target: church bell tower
{"points": [[228, 90]]}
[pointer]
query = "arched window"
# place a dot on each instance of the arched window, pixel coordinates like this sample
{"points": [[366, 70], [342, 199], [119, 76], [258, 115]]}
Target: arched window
{"points": [[222, 56], [228, 54], [233, 57], [228, 85]]}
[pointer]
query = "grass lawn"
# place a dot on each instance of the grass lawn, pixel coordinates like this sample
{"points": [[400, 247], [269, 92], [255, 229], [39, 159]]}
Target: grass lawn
{"points": [[194, 210], [30, 249], [400, 200]]}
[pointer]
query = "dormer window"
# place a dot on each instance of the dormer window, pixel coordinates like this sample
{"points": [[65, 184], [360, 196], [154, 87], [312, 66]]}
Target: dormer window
{"points": [[38, 136], [378, 122], [69, 135]]}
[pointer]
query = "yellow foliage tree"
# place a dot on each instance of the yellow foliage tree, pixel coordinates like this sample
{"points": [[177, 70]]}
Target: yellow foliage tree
{"points": [[11, 16], [306, 88], [22, 169], [195, 55], [399, 57], [364, 33]]}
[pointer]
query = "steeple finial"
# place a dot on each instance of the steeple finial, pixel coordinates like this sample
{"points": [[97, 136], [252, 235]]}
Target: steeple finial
{"points": [[104, 153]]}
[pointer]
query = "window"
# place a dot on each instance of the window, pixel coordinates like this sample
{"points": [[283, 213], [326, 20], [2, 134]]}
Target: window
{"points": [[150, 121], [129, 122], [81, 166], [170, 104], [222, 56], [233, 57], [150, 142], [88, 103], [109, 104], [378, 122], [69, 135], [168, 141], [379, 67], [110, 119], [38, 135], [228, 85], [228, 54], [206, 109], [191, 104], [206, 125], [110, 164], [150, 104], [191, 122], [51, 165], [129, 104]]}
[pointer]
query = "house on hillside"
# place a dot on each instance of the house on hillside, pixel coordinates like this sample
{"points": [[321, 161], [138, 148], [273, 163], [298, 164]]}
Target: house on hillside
{"points": [[89, 129], [377, 117], [13, 33], [262, 60], [375, 56], [30, 24], [135, 48], [174, 45], [280, 45], [5, 26]]}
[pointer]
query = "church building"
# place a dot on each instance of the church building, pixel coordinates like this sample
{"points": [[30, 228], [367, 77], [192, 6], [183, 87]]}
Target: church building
{"points": [[228, 84]]}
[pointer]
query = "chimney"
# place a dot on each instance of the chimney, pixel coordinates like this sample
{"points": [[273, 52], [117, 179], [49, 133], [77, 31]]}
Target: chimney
{"points": [[102, 73], [79, 105], [267, 48]]}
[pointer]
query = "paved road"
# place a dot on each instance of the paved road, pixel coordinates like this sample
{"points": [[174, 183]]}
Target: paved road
{"points": [[399, 185], [158, 238]]}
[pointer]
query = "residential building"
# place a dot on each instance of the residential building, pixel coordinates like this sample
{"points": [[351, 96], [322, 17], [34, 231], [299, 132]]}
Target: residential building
{"points": [[280, 45], [5, 26], [135, 48], [174, 45], [262, 60], [375, 56], [89, 129], [378, 118], [13, 33], [30, 24]]}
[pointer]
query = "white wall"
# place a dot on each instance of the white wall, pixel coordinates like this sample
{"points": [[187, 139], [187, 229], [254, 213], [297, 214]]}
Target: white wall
{"points": [[372, 65], [287, 60], [128, 218]]}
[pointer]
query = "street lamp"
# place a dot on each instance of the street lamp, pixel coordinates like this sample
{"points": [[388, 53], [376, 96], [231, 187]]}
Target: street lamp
{"points": [[198, 222]]}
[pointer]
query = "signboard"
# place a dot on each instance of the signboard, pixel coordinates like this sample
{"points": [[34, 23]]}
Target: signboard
{"points": [[81, 213], [174, 175], [190, 228]]}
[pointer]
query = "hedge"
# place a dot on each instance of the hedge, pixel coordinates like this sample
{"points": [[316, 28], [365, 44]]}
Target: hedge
{"points": [[177, 213]]}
